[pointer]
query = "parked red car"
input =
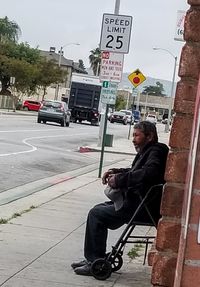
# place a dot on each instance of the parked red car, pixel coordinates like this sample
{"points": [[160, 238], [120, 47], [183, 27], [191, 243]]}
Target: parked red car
{"points": [[30, 105]]}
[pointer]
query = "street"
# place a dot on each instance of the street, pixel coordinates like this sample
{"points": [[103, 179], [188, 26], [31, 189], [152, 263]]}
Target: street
{"points": [[32, 151]]}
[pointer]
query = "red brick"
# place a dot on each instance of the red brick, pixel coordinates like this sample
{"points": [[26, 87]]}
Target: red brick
{"points": [[185, 96], [151, 254], [190, 276], [176, 166], [181, 132], [189, 64], [192, 248], [172, 200], [163, 270], [168, 235], [192, 25]]}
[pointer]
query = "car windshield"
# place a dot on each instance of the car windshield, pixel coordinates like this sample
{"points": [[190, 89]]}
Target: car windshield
{"points": [[126, 112], [151, 116], [52, 104]]}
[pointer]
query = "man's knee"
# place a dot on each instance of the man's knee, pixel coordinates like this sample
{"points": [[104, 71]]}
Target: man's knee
{"points": [[94, 211]]}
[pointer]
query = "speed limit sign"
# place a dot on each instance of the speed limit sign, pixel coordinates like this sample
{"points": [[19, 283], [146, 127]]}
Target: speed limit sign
{"points": [[116, 33]]}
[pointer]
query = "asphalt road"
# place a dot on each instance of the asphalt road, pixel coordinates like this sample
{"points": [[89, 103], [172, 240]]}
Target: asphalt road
{"points": [[31, 151]]}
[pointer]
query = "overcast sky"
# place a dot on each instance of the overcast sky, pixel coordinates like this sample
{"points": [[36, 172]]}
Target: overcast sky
{"points": [[46, 23]]}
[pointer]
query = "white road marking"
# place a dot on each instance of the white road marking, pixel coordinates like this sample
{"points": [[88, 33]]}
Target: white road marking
{"points": [[34, 148]]}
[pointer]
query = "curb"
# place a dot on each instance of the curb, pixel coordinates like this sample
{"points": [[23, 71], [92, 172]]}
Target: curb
{"points": [[2, 112], [89, 149]]}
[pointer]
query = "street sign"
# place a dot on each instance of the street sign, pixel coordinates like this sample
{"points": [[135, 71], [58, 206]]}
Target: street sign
{"points": [[180, 25], [111, 67], [136, 78], [108, 93], [115, 33]]}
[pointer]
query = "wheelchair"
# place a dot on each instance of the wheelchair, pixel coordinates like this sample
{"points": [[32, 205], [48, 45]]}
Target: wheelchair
{"points": [[102, 268]]}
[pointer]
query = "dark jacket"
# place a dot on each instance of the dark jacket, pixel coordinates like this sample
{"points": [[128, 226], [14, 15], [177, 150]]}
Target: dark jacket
{"points": [[147, 169]]}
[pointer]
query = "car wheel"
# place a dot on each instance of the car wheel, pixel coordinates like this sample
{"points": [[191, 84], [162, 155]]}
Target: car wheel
{"points": [[44, 122], [67, 124], [125, 122], [111, 122], [39, 120]]}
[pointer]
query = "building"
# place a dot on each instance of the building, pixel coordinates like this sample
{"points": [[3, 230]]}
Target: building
{"points": [[146, 103], [63, 89]]}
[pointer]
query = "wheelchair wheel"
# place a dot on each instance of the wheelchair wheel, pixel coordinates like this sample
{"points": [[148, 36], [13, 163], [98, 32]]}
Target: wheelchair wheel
{"points": [[101, 269], [116, 261]]}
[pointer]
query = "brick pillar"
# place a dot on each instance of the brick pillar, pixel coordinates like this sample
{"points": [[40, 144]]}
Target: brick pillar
{"points": [[169, 244]]}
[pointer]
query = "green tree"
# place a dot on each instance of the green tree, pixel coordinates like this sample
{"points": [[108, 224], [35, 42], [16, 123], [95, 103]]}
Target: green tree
{"points": [[154, 90], [120, 103], [9, 30], [95, 61], [48, 73], [15, 61]]}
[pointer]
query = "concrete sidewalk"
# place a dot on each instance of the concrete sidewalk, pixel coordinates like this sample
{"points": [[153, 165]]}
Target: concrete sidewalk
{"points": [[38, 247], [44, 232]]}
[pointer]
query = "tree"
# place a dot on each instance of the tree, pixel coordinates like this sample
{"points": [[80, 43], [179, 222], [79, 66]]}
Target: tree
{"points": [[16, 60], [95, 61], [154, 90], [120, 103], [9, 30], [31, 71], [49, 73]]}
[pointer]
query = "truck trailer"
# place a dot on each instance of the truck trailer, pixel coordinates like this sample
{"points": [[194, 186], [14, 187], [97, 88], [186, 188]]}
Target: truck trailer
{"points": [[84, 98]]}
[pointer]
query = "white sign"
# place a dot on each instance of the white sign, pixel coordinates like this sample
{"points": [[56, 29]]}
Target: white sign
{"points": [[108, 93], [111, 67], [180, 25], [115, 33]]}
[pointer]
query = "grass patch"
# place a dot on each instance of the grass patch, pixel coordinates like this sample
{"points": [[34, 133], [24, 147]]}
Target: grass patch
{"points": [[16, 214], [3, 221], [134, 252]]}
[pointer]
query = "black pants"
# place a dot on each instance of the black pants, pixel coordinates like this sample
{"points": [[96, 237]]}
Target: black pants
{"points": [[101, 218]]}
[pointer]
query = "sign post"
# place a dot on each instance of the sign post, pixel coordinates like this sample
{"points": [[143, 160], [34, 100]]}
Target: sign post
{"points": [[115, 38]]}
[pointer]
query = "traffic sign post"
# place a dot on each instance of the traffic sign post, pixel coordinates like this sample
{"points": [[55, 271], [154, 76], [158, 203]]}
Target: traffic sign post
{"points": [[136, 78], [115, 33]]}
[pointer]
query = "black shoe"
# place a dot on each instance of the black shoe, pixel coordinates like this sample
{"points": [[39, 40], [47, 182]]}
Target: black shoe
{"points": [[84, 270], [78, 264]]}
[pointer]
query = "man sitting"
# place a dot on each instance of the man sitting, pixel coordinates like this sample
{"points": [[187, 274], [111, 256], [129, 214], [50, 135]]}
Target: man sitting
{"points": [[147, 169]]}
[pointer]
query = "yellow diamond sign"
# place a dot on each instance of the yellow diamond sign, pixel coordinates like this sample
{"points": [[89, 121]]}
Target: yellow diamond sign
{"points": [[136, 78]]}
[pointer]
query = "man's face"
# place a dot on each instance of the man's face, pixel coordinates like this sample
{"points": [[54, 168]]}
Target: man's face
{"points": [[139, 139]]}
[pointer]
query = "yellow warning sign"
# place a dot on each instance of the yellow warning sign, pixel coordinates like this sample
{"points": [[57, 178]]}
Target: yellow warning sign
{"points": [[136, 78]]}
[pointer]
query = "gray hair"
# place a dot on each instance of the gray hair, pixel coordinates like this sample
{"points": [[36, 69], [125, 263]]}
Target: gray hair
{"points": [[148, 128]]}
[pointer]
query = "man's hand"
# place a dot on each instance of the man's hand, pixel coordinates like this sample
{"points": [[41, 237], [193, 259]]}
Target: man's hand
{"points": [[111, 181], [106, 176]]}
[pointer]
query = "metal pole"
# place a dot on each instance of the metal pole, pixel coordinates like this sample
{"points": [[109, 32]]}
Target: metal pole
{"points": [[171, 97], [145, 107], [117, 5], [138, 101], [103, 142], [167, 125], [59, 64]]}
